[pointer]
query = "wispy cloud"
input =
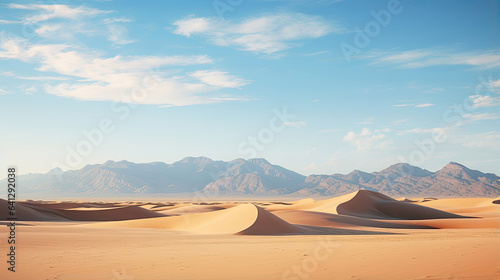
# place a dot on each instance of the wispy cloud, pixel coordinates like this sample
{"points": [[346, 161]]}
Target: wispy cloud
{"points": [[420, 58], [434, 90], [368, 140], [65, 22], [316, 53], [328, 130], [484, 101], [218, 78], [3, 92], [35, 78], [295, 124], [118, 35], [3, 21], [481, 117], [434, 130], [266, 34], [489, 141], [423, 105], [120, 78], [48, 12], [399, 122]]}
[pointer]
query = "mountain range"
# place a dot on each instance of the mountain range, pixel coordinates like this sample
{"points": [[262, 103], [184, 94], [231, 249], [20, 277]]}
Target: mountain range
{"points": [[253, 177]]}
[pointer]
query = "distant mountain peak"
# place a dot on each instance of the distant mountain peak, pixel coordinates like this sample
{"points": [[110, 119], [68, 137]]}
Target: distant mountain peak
{"points": [[117, 164], [56, 170], [455, 165], [259, 161], [407, 168], [191, 159], [257, 176]]}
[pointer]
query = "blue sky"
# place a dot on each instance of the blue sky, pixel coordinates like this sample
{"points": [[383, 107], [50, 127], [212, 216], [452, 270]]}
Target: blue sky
{"points": [[319, 87]]}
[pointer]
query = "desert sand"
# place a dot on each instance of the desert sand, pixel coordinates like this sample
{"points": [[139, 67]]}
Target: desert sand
{"points": [[362, 235]]}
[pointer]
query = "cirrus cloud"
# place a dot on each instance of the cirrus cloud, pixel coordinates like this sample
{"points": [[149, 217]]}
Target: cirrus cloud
{"points": [[266, 34], [368, 140], [122, 79]]}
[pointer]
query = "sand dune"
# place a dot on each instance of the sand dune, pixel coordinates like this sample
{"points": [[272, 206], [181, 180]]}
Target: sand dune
{"points": [[361, 235], [307, 216], [340, 221], [241, 219], [30, 212], [456, 223], [472, 206], [68, 205], [369, 204], [192, 209], [27, 213]]}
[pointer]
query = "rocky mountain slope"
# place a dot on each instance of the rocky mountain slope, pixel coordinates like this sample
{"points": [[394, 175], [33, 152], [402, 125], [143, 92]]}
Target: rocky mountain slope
{"points": [[254, 177]]}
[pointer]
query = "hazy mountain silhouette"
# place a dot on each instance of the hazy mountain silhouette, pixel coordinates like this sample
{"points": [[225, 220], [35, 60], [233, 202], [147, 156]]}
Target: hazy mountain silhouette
{"points": [[254, 177]]}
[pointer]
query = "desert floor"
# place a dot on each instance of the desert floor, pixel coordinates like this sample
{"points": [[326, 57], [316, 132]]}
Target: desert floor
{"points": [[363, 235]]}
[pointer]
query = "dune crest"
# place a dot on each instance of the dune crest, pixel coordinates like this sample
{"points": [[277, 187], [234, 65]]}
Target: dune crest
{"points": [[372, 205], [244, 219], [30, 212], [369, 204]]}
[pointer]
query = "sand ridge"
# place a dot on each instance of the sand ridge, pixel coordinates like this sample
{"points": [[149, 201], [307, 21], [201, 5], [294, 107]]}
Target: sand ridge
{"points": [[241, 219]]}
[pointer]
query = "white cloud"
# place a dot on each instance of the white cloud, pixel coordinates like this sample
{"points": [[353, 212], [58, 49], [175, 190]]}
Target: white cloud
{"points": [[48, 29], [73, 21], [295, 124], [3, 92], [316, 53], [48, 12], [435, 130], [424, 105], [494, 86], [28, 89], [484, 101], [2, 21], [481, 117], [218, 78], [434, 90], [190, 26], [489, 141], [432, 57], [399, 122], [36, 78], [414, 105], [122, 19], [118, 35], [368, 140], [122, 79], [266, 34]]}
